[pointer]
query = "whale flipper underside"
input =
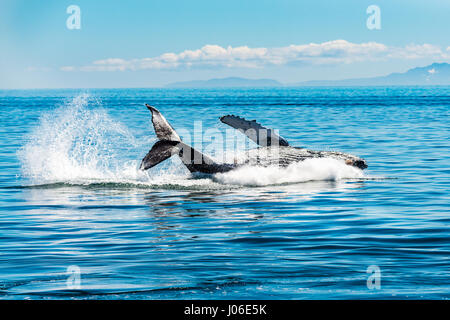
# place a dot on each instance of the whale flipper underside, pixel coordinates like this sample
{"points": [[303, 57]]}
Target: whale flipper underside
{"points": [[253, 130]]}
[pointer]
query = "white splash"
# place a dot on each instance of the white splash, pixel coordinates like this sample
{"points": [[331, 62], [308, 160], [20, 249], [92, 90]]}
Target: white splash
{"points": [[77, 142], [318, 169]]}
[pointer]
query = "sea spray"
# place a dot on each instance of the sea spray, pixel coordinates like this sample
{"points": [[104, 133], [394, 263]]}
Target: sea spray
{"points": [[307, 170], [77, 142]]}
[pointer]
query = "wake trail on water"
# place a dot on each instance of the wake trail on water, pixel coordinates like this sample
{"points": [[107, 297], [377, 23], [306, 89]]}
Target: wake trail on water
{"points": [[79, 143]]}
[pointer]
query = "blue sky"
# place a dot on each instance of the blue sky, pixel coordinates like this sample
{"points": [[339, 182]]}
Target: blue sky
{"points": [[151, 43]]}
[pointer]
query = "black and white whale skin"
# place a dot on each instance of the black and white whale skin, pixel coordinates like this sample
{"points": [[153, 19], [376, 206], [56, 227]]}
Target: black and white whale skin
{"points": [[273, 150]]}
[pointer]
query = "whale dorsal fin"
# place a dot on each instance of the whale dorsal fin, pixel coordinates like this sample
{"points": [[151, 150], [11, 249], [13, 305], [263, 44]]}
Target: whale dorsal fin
{"points": [[163, 129], [255, 131]]}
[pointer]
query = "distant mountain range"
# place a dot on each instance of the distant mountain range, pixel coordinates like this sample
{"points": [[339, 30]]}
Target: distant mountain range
{"points": [[434, 74], [226, 83]]}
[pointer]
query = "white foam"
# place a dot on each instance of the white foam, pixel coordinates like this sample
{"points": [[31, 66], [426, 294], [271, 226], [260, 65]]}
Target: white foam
{"points": [[308, 170]]}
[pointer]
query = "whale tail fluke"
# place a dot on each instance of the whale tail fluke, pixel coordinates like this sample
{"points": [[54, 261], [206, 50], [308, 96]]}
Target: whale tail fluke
{"points": [[161, 150], [166, 146], [170, 144], [163, 129]]}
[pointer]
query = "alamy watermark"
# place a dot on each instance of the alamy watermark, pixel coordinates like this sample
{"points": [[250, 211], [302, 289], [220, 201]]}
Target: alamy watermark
{"points": [[74, 279], [374, 20], [374, 280], [226, 146], [73, 22]]}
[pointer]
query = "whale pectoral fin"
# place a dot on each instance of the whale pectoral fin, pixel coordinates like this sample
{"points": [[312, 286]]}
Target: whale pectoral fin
{"points": [[160, 151], [255, 131]]}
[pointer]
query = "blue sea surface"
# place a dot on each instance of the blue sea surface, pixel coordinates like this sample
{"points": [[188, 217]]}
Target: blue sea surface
{"points": [[79, 220]]}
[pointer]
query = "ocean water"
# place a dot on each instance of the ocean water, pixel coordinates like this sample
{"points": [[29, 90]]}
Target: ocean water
{"points": [[79, 220]]}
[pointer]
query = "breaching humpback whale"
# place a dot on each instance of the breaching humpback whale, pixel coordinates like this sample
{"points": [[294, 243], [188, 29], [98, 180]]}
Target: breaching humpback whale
{"points": [[273, 148]]}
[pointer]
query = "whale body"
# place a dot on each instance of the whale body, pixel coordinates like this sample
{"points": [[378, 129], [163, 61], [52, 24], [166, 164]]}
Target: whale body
{"points": [[273, 149]]}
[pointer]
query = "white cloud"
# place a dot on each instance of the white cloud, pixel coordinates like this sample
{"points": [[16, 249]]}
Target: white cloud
{"points": [[331, 52], [418, 51], [37, 69], [67, 68]]}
